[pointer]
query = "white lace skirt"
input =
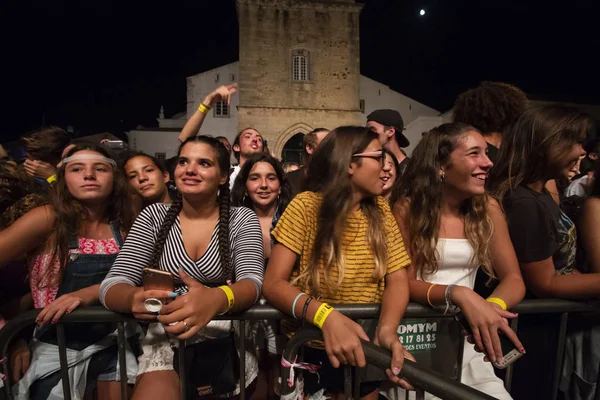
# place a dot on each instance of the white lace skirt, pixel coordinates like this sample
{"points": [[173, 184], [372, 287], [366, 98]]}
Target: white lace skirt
{"points": [[158, 349]]}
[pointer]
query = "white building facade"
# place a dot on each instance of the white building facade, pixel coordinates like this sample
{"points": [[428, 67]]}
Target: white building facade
{"points": [[223, 121]]}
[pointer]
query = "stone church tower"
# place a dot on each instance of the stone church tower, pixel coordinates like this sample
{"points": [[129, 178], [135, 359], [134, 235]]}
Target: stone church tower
{"points": [[299, 66]]}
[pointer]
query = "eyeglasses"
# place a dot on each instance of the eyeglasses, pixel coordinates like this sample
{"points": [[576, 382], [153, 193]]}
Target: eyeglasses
{"points": [[377, 155]]}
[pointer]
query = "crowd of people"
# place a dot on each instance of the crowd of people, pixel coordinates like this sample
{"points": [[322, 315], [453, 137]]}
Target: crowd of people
{"points": [[499, 205]]}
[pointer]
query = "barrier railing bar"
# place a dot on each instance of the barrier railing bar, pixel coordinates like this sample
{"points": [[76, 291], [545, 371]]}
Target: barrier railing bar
{"points": [[181, 362], [62, 354], [429, 381], [560, 349], [242, 347], [260, 312], [121, 343]]}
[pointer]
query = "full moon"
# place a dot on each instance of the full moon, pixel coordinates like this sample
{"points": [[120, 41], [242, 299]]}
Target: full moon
{"points": [[422, 12]]}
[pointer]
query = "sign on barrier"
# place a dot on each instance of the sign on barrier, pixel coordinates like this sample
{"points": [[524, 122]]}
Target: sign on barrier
{"points": [[434, 342]]}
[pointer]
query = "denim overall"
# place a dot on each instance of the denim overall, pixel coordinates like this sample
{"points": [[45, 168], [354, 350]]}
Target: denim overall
{"points": [[82, 271]]}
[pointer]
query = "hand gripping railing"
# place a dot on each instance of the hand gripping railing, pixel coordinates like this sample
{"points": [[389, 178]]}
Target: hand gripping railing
{"points": [[260, 312], [429, 381]]}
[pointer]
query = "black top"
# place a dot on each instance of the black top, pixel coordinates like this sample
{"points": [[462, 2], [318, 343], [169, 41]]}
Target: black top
{"points": [[539, 229], [492, 152], [297, 180], [402, 166]]}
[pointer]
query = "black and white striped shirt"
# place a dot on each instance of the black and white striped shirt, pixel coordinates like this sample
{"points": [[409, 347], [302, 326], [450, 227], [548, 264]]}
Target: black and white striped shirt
{"points": [[246, 247]]}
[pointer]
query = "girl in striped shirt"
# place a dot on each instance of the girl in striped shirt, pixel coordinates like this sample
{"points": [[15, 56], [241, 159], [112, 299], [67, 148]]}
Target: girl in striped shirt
{"points": [[203, 243]]}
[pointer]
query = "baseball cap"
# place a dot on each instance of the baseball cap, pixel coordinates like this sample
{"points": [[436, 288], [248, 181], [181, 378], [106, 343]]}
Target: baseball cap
{"points": [[391, 118]]}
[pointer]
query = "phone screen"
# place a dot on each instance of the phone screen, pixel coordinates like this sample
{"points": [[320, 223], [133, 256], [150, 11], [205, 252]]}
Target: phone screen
{"points": [[510, 354]]}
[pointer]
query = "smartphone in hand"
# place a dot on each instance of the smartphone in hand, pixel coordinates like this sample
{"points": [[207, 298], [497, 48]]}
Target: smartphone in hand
{"points": [[510, 354], [155, 279]]}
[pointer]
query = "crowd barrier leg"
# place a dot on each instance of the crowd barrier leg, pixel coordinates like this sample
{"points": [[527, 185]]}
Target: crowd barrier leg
{"points": [[560, 350], [348, 392], [181, 362], [356, 383], [597, 393], [242, 360], [121, 343], [62, 354], [514, 325]]}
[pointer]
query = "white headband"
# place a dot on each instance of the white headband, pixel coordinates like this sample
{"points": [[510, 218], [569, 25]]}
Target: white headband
{"points": [[95, 157]]}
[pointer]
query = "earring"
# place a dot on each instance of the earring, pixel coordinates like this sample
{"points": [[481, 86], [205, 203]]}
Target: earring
{"points": [[244, 198], [442, 176]]}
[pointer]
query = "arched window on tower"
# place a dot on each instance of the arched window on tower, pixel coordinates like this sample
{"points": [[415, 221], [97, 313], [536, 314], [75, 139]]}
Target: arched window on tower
{"points": [[300, 65]]}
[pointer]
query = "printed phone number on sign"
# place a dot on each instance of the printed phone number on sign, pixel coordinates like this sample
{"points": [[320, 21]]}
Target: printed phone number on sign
{"points": [[418, 342]]}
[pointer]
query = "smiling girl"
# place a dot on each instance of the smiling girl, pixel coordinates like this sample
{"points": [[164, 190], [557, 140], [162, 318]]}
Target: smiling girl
{"points": [[544, 144], [337, 237], [204, 244], [442, 210]]}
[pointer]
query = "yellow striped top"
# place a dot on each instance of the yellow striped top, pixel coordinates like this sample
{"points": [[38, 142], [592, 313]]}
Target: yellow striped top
{"points": [[297, 229]]}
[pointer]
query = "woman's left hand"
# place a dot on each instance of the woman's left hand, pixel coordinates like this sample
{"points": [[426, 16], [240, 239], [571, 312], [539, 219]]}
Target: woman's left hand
{"points": [[193, 311], [388, 338], [67, 303]]}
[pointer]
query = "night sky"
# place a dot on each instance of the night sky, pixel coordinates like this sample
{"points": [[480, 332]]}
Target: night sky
{"points": [[109, 65]]}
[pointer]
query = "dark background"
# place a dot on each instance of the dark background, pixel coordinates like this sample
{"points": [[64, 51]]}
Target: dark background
{"points": [[109, 65]]}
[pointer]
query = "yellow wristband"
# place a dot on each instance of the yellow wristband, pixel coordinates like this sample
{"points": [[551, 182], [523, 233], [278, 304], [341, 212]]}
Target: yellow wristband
{"points": [[322, 314], [203, 108], [230, 297], [497, 300], [51, 179]]}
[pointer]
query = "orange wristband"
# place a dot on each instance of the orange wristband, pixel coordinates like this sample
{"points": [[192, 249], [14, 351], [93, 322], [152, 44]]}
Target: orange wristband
{"points": [[429, 292]]}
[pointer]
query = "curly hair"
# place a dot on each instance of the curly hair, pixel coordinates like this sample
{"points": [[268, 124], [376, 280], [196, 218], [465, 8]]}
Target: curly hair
{"points": [[328, 175], [238, 193], [421, 188], [19, 193], [490, 107], [46, 144], [222, 156]]}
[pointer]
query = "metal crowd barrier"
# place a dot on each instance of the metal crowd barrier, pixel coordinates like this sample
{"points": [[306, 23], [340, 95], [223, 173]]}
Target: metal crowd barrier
{"points": [[427, 380]]}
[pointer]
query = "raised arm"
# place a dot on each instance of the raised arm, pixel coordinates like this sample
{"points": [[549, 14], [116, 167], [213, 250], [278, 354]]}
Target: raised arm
{"points": [[193, 125], [26, 234]]}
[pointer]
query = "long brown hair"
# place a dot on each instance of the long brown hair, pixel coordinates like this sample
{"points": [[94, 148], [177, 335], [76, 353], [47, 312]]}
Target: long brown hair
{"points": [[526, 147], [19, 193], [421, 188], [328, 175], [70, 212], [222, 156]]}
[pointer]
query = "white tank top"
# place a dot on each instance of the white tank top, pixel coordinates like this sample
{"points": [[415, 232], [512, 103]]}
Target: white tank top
{"points": [[456, 264]]}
